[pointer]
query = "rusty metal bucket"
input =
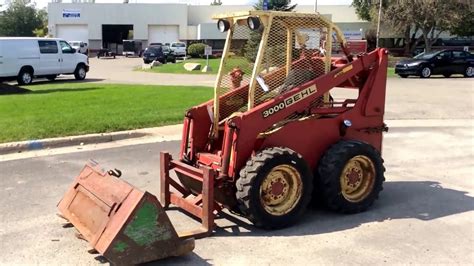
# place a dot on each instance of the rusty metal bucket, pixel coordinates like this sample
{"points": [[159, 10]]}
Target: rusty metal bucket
{"points": [[127, 226]]}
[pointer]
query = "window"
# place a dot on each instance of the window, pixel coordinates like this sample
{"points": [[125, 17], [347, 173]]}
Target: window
{"points": [[48, 47], [66, 48], [444, 55], [459, 54]]}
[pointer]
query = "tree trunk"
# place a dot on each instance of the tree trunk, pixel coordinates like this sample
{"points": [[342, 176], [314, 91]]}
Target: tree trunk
{"points": [[426, 37], [408, 42]]}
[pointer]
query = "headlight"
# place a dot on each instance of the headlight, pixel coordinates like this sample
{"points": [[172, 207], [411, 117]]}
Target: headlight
{"points": [[413, 64], [253, 23], [223, 25]]}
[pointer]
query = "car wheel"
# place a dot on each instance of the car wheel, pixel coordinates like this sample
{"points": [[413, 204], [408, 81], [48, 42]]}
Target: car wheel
{"points": [[80, 73], [51, 77], [403, 76], [447, 75], [25, 77], [426, 72], [469, 73]]}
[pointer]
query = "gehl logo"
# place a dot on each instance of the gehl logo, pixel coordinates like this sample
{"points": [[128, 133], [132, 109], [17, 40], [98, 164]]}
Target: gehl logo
{"points": [[289, 101]]}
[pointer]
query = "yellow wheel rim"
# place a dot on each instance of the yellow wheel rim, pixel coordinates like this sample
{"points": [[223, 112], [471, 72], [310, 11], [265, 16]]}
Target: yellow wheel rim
{"points": [[357, 178], [281, 190]]}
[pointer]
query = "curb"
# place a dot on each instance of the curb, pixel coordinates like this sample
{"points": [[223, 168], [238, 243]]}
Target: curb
{"points": [[173, 132], [31, 145]]}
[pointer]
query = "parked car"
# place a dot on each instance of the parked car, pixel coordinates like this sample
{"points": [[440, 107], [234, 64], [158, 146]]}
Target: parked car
{"points": [[24, 59], [170, 56], [179, 48], [158, 53], [81, 47], [445, 62]]}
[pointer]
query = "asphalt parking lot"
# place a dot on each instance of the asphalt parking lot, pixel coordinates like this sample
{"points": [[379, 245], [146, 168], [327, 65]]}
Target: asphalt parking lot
{"points": [[425, 214]]}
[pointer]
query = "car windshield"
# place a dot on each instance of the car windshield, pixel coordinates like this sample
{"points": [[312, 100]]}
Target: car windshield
{"points": [[179, 45], [74, 43], [426, 55]]}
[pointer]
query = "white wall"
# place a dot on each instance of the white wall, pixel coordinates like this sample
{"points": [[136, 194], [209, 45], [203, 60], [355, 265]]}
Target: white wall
{"points": [[139, 15], [194, 22]]}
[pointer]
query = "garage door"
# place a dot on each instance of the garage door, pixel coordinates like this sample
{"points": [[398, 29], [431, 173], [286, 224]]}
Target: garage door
{"points": [[73, 32], [163, 33]]}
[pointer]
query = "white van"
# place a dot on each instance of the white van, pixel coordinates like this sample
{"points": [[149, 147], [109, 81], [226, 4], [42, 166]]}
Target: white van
{"points": [[24, 59]]}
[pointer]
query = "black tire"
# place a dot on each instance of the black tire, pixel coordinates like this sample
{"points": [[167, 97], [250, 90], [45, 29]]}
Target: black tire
{"points": [[330, 170], [447, 75], [403, 76], [80, 72], [25, 77], [469, 72], [51, 77], [252, 177], [425, 72]]}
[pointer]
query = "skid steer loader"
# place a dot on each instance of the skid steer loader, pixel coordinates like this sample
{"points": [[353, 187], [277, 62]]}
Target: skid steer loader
{"points": [[288, 123]]}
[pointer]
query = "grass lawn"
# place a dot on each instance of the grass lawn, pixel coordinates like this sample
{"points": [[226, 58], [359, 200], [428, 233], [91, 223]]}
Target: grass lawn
{"points": [[391, 72], [71, 108], [178, 67], [214, 63]]}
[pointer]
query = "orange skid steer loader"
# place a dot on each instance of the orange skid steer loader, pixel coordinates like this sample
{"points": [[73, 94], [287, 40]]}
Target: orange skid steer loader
{"points": [[289, 123]]}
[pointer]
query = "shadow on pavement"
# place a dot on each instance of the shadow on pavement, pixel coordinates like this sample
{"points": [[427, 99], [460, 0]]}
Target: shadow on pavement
{"points": [[63, 90], [65, 81], [190, 259], [399, 200]]}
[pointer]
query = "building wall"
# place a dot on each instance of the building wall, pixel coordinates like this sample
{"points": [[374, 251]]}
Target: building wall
{"points": [[194, 22], [139, 15]]}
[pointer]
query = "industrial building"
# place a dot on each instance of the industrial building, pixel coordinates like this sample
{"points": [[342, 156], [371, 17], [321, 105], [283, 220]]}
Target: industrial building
{"points": [[106, 25]]}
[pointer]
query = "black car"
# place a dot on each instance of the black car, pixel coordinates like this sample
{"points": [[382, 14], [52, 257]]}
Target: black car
{"points": [[158, 53], [445, 62]]}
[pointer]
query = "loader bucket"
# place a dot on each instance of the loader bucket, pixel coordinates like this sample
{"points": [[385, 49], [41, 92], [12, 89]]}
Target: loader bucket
{"points": [[127, 226]]}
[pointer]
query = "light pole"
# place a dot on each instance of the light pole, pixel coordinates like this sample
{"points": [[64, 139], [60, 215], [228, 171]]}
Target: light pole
{"points": [[378, 24], [315, 5]]}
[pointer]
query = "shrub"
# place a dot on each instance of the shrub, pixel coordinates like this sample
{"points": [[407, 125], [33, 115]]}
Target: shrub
{"points": [[196, 50]]}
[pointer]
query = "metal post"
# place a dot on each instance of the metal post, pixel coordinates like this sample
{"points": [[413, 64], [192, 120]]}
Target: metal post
{"points": [[315, 6], [378, 23]]}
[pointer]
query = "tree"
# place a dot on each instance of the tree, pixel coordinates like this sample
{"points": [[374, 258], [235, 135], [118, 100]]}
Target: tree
{"points": [[42, 31], [363, 9], [430, 17], [251, 47], [466, 27], [216, 3], [20, 19], [418, 20], [277, 5]]}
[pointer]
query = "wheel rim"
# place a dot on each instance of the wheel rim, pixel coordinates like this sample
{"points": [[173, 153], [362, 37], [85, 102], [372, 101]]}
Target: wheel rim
{"points": [[357, 178], [82, 72], [470, 71], [426, 72], [26, 77], [281, 190]]}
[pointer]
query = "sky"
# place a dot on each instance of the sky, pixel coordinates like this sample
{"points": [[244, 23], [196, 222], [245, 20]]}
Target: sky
{"points": [[44, 3]]}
